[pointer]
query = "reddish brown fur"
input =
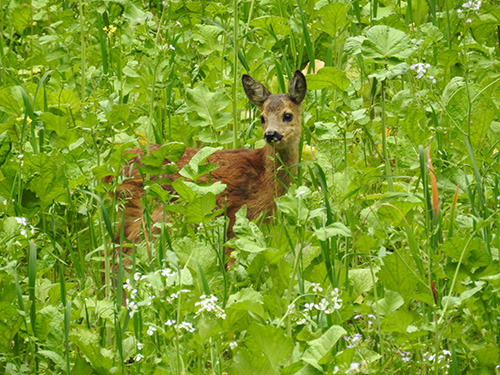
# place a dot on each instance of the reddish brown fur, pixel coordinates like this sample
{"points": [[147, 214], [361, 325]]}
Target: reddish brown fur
{"points": [[253, 177]]}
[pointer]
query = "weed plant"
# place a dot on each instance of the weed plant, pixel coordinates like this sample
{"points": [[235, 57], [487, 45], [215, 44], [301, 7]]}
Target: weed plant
{"points": [[383, 257]]}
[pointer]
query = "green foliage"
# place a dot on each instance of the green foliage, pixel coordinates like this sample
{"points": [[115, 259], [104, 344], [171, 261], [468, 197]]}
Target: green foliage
{"points": [[382, 256]]}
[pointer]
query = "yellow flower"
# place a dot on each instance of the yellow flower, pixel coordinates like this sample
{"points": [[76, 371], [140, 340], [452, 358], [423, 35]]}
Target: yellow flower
{"points": [[308, 152], [143, 140], [109, 30]]}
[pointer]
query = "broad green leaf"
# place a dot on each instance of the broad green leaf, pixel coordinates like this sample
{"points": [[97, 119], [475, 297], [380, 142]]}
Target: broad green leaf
{"points": [[328, 77], [335, 229], [5, 146], [240, 305], [362, 280], [200, 208], [88, 343], [181, 188], [55, 357], [249, 237], [391, 72], [272, 24], [390, 303], [10, 101], [216, 188], [333, 17], [58, 124], [454, 98], [384, 42], [171, 151], [49, 181], [487, 355], [271, 342], [398, 273], [120, 113], [206, 108], [21, 17], [397, 321], [208, 38], [319, 349], [64, 99], [247, 363], [196, 167], [353, 45]]}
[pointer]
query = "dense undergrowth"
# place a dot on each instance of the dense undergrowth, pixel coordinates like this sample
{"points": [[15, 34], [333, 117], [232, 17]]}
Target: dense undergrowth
{"points": [[383, 256]]}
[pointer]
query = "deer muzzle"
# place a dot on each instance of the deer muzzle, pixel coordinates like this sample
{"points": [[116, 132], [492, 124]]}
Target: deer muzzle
{"points": [[272, 137]]}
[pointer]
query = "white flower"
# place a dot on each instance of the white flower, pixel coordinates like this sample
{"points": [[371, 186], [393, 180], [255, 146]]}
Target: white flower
{"points": [[140, 345], [178, 23], [233, 345], [335, 292], [187, 326], [308, 306], [22, 220], [322, 305], [151, 330], [167, 272], [171, 47], [354, 366], [316, 287], [170, 322], [209, 304], [138, 357], [133, 307]]}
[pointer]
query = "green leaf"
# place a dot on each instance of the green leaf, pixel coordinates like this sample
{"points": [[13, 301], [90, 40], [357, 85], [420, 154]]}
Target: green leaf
{"points": [[208, 38], [10, 100], [88, 343], [249, 237], [5, 146], [319, 349], [396, 273], [333, 17], [247, 363], [195, 168], [390, 303], [454, 96], [273, 24], [21, 17], [200, 208], [384, 42], [240, 305], [390, 73], [328, 77], [206, 108], [362, 280], [48, 180], [335, 229], [397, 321], [270, 342], [215, 188]]}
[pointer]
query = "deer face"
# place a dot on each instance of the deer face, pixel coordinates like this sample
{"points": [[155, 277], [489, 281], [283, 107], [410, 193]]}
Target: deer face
{"points": [[280, 114]]}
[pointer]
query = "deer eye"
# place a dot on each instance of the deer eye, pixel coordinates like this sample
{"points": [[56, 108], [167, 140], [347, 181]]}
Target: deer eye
{"points": [[287, 117], [262, 119]]}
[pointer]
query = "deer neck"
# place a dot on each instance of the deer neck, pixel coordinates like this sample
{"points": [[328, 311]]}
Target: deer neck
{"points": [[278, 163]]}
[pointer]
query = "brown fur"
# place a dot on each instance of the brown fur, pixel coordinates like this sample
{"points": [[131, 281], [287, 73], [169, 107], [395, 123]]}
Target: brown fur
{"points": [[253, 177]]}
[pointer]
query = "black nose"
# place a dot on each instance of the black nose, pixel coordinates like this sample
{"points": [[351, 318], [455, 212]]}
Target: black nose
{"points": [[272, 137]]}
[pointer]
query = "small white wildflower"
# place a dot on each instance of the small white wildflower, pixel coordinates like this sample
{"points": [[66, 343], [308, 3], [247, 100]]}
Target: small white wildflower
{"points": [[138, 357], [22, 220], [336, 369], [446, 352], [23, 233], [178, 23], [170, 322], [20, 156], [171, 47], [5, 202], [187, 326], [163, 3], [308, 307], [354, 366], [356, 317], [133, 307], [335, 292], [151, 330], [468, 20], [322, 305], [137, 276], [291, 307], [167, 272], [233, 345], [301, 322], [405, 356], [316, 287], [209, 304], [140, 345], [128, 286]]}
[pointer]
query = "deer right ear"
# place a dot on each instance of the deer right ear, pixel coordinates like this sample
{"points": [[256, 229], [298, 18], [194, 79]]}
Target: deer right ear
{"points": [[256, 92]]}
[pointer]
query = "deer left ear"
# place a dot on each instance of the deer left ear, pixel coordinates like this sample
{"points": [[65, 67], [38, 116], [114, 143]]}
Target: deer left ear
{"points": [[255, 90], [297, 87]]}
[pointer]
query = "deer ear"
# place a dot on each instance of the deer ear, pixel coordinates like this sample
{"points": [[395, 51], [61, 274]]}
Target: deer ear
{"points": [[256, 92], [297, 87]]}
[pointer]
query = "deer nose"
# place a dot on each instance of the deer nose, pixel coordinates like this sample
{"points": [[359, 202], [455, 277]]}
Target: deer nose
{"points": [[272, 136]]}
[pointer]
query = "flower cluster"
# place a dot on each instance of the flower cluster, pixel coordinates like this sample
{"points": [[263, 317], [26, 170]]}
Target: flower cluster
{"points": [[26, 227], [421, 69], [209, 304], [369, 318], [442, 359], [405, 356], [353, 340], [469, 6], [110, 30], [325, 305]]}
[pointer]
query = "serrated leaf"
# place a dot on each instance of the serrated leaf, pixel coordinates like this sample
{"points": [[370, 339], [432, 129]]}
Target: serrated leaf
{"points": [[384, 42], [249, 237], [88, 343], [391, 72], [200, 208], [207, 108], [21, 17], [362, 280], [10, 100], [171, 151], [333, 17], [273, 24], [216, 188], [321, 347], [328, 77]]}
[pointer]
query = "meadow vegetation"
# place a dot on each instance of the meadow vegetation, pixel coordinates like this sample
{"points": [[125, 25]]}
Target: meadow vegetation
{"points": [[383, 256]]}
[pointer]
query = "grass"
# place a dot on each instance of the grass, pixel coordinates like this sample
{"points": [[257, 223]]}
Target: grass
{"points": [[382, 256]]}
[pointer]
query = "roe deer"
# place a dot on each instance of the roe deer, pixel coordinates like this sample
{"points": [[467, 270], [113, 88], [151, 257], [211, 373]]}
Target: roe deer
{"points": [[253, 177]]}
